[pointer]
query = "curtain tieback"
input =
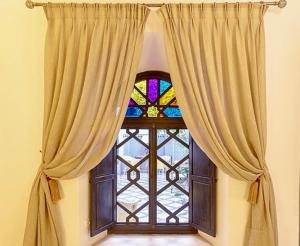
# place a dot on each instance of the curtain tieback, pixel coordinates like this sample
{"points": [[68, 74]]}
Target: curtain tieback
{"points": [[54, 189], [253, 192]]}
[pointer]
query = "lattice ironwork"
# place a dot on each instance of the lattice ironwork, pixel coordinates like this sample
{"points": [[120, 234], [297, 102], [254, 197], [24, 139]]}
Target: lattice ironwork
{"points": [[125, 202], [173, 175]]}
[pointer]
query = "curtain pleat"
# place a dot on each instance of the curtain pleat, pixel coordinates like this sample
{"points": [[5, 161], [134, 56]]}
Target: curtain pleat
{"points": [[216, 59], [91, 57]]}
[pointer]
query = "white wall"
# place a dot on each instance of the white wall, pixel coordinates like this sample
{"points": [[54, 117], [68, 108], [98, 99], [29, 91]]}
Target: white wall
{"points": [[21, 106]]}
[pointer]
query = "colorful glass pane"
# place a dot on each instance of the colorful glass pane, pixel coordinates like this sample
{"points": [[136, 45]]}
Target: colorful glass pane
{"points": [[131, 102], [133, 112], [172, 112], [153, 97], [142, 85], [152, 89], [167, 97], [138, 97], [164, 85], [152, 111]]}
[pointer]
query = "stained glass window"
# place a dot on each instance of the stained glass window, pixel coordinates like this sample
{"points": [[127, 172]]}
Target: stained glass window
{"points": [[153, 97]]}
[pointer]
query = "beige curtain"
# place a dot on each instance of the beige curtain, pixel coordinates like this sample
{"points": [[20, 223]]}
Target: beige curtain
{"points": [[216, 60], [91, 57]]}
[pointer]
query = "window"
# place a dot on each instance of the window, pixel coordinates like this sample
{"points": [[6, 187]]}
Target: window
{"points": [[155, 179]]}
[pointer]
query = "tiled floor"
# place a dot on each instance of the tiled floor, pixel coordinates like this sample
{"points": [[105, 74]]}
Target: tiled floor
{"points": [[153, 240], [171, 198]]}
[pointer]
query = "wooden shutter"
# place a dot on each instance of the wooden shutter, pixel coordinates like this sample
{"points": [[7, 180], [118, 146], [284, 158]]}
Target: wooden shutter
{"points": [[202, 191], [103, 188]]}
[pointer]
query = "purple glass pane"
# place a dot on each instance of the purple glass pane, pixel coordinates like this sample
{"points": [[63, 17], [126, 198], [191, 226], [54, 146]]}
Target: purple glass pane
{"points": [[131, 102], [152, 89]]}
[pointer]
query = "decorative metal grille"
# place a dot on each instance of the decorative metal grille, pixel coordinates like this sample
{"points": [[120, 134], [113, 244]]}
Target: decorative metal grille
{"points": [[133, 176], [173, 165]]}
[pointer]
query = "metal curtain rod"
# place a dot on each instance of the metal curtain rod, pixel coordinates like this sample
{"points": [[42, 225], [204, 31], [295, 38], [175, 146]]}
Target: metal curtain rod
{"points": [[281, 4]]}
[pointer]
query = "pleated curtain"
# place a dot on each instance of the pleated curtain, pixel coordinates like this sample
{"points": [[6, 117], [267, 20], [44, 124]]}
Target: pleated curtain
{"points": [[216, 60], [91, 57]]}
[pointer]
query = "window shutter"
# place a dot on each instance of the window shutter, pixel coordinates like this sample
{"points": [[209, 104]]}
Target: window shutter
{"points": [[202, 191], [103, 188]]}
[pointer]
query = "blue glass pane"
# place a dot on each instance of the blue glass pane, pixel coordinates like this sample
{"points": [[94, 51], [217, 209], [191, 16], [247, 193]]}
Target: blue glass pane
{"points": [[133, 112], [172, 112], [164, 85]]}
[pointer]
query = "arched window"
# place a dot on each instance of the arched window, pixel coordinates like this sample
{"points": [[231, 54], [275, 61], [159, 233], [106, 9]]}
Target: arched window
{"points": [[155, 179], [153, 96]]}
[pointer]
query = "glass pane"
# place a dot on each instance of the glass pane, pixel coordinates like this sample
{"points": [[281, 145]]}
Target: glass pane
{"points": [[138, 98], [152, 89], [172, 199], [164, 85], [141, 86], [152, 111], [173, 151], [131, 102], [161, 215], [121, 214], [184, 215], [167, 97], [133, 112], [172, 112], [143, 215], [184, 135]]}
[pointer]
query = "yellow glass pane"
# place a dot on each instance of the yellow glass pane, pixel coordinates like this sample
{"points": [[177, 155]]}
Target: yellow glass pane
{"points": [[152, 111], [142, 85], [167, 97], [138, 98]]}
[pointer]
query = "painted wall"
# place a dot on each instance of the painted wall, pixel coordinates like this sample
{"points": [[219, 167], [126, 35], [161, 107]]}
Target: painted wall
{"points": [[21, 105]]}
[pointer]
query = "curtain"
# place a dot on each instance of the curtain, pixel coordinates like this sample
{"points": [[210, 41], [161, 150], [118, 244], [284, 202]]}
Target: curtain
{"points": [[91, 57], [216, 58]]}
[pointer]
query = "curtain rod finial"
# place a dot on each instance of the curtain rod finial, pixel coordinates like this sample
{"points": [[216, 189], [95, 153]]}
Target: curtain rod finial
{"points": [[282, 3], [29, 4]]}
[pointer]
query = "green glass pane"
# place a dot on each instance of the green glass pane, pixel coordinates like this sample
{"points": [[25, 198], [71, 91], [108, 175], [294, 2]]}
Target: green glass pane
{"points": [[167, 97], [152, 111], [138, 98], [142, 86]]}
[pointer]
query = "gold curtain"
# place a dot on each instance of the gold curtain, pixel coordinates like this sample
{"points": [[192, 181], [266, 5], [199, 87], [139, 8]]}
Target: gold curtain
{"points": [[216, 59], [91, 57]]}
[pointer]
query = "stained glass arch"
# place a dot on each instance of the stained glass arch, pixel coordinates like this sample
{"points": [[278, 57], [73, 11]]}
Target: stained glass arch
{"points": [[153, 96]]}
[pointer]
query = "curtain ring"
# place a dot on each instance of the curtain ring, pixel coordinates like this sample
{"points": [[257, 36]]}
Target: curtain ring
{"points": [[215, 9], [226, 10], [73, 10], [250, 10], [191, 9], [61, 10], [215, 5], [238, 6]]}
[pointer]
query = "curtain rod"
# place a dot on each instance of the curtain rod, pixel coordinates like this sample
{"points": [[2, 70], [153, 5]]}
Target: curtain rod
{"points": [[281, 4]]}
